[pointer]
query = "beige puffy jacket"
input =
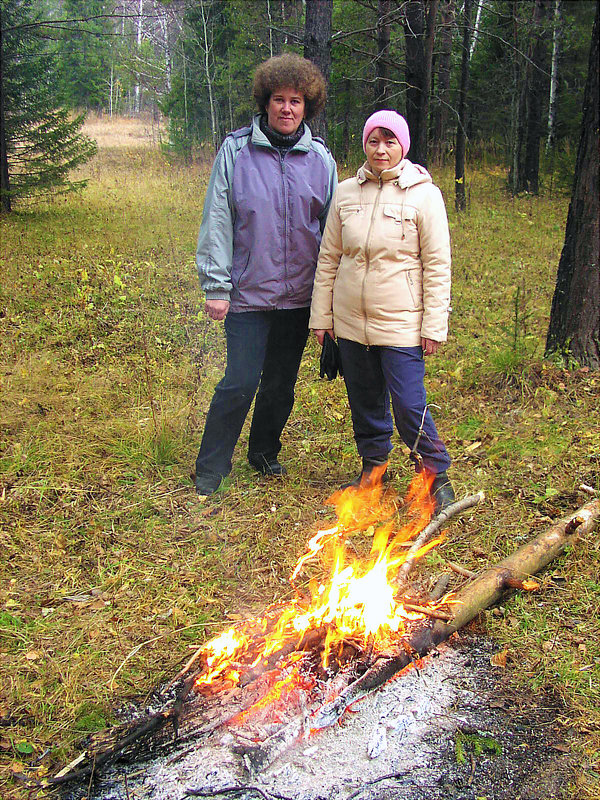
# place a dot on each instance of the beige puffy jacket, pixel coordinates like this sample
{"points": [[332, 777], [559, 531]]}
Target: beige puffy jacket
{"points": [[383, 276]]}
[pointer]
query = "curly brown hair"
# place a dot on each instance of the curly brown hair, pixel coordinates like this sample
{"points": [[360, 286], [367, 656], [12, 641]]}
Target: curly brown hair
{"points": [[292, 70]]}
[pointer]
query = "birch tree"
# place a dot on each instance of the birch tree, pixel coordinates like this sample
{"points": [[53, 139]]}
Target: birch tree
{"points": [[556, 46]]}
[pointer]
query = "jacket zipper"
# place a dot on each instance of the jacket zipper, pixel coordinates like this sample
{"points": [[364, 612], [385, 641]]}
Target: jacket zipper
{"points": [[285, 219], [368, 256]]}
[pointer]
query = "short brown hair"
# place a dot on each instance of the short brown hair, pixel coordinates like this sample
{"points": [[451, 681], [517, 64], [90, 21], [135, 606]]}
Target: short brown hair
{"points": [[291, 70]]}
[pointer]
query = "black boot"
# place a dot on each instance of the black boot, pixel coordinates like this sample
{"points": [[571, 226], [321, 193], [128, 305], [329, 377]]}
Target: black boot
{"points": [[267, 465], [441, 492], [366, 479], [206, 483]]}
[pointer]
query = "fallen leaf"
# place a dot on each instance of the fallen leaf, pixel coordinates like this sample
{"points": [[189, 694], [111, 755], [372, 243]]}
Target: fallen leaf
{"points": [[32, 655], [562, 748], [499, 659], [548, 646], [473, 446]]}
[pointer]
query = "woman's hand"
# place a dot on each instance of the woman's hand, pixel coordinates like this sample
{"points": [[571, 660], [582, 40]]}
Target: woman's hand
{"points": [[216, 309], [320, 334], [430, 346]]}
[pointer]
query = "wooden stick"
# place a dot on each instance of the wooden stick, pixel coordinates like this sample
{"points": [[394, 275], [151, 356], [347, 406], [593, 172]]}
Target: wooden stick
{"points": [[440, 587], [429, 612], [467, 573], [428, 531]]}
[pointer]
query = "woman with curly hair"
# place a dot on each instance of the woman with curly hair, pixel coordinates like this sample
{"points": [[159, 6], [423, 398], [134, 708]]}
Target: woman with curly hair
{"points": [[264, 212]]}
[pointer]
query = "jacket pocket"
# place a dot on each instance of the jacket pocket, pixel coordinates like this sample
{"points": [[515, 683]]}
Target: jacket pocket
{"points": [[415, 287], [238, 272], [348, 213], [401, 221]]}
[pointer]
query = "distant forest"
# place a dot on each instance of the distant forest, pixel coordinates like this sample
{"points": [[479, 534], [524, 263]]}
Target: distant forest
{"points": [[507, 76]]}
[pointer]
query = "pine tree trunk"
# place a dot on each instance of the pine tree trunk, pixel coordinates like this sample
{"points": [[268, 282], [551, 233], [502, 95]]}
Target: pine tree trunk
{"points": [[317, 48], [414, 30], [460, 202], [432, 9], [575, 316], [535, 94], [382, 62], [4, 173], [519, 92], [440, 145], [528, 132]]}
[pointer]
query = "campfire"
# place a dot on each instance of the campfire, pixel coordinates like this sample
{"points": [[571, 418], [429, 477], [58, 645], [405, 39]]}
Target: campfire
{"points": [[351, 609], [271, 682]]}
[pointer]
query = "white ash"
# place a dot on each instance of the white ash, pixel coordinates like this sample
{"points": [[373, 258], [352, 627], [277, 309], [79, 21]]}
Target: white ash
{"points": [[393, 730]]}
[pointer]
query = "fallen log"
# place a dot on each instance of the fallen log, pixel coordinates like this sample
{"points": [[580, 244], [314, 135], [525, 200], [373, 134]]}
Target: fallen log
{"points": [[481, 593]]}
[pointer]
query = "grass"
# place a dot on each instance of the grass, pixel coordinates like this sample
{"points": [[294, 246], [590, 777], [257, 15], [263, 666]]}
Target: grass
{"points": [[111, 571]]}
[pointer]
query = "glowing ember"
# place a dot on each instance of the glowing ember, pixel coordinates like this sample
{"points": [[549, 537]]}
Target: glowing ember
{"points": [[354, 600]]}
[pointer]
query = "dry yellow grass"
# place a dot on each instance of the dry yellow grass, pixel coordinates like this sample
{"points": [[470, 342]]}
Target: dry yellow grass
{"points": [[124, 132], [110, 567]]}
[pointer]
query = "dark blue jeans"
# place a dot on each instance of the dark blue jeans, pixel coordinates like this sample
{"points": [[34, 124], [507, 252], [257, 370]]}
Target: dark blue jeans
{"points": [[264, 349], [372, 375]]}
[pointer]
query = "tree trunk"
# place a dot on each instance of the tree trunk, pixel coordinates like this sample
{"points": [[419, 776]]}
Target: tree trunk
{"points": [[475, 35], [575, 315], [460, 202], [556, 44], [519, 91], [536, 90], [4, 173], [414, 29], [138, 88], [317, 48], [382, 69], [440, 145], [432, 9], [526, 146], [207, 48]]}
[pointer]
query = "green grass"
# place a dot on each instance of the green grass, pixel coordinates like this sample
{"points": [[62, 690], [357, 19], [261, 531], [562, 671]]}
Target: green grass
{"points": [[111, 571]]}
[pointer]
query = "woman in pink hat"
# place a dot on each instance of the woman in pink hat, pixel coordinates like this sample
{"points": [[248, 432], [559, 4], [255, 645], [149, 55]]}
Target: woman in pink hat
{"points": [[382, 287]]}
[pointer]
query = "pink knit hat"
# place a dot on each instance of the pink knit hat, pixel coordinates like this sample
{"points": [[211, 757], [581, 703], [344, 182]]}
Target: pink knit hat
{"points": [[393, 122]]}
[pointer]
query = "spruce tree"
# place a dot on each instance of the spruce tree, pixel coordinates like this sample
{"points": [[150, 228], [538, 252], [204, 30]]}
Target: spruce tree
{"points": [[40, 143]]}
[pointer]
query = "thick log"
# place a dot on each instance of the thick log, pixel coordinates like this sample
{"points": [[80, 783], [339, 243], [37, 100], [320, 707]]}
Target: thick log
{"points": [[481, 593], [528, 560]]}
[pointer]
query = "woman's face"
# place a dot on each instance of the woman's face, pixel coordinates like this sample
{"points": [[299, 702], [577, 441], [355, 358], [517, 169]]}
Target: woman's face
{"points": [[285, 110], [383, 152]]}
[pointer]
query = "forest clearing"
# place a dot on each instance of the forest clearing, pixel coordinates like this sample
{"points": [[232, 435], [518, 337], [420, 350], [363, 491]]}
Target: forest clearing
{"points": [[112, 573]]}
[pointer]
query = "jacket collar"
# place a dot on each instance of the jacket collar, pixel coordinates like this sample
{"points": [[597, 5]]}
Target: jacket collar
{"points": [[405, 174], [259, 138]]}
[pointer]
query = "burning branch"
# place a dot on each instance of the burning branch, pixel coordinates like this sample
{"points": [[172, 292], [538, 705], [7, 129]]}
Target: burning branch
{"points": [[429, 530]]}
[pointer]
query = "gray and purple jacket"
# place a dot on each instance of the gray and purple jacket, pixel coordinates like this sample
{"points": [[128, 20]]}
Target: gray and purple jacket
{"points": [[262, 221]]}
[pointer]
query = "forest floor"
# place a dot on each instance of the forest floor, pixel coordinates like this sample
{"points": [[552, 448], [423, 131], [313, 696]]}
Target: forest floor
{"points": [[111, 570]]}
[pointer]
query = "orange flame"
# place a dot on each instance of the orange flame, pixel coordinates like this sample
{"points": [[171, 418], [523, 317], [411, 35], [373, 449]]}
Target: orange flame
{"points": [[355, 598]]}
